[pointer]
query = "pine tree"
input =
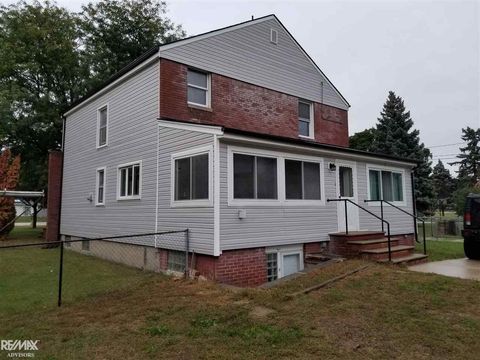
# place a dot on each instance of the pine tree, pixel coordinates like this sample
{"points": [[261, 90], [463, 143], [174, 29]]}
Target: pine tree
{"points": [[9, 173], [395, 136], [443, 185], [469, 169]]}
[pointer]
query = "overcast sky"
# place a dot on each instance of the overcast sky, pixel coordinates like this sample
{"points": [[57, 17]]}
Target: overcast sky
{"points": [[425, 51]]}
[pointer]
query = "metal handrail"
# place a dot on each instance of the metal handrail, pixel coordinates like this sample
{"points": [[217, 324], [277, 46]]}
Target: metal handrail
{"points": [[371, 213], [415, 217]]}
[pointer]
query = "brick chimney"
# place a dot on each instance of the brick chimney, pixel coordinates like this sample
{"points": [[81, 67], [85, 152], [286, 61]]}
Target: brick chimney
{"points": [[54, 195]]}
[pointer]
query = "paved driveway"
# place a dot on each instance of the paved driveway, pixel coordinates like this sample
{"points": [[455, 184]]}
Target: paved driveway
{"points": [[460, 268]]}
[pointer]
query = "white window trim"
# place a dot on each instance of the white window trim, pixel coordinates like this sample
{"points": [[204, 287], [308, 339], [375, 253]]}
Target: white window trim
{"points": [[185, 154], [104, 168], [131, 197], [104, 106], [311, 129], [281, 251], [208, 90], [393, 170], [281, 194]]}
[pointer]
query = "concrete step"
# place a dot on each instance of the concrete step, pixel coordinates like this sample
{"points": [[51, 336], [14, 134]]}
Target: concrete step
{"points": [[413, 259], [378, 254], [360, 245]]}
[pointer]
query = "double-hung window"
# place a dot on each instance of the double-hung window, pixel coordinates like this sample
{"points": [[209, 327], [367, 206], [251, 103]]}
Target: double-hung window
{"points": [[305, 119], [191, 178], [386, 185], [100, 193], [254, 177], [129, 181], [102, 126], [302, 180], [198, 88]]}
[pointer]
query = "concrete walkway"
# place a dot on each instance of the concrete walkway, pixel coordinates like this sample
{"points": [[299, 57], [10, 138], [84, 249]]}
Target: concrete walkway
{"points": [[25, 224], [460, 268]]}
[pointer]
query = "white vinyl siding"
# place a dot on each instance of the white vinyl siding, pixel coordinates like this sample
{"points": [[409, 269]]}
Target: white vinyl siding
{"points": [[132, 136]]}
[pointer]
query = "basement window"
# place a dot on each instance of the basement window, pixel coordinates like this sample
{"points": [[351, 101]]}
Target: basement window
{"points": [[176, 261]]}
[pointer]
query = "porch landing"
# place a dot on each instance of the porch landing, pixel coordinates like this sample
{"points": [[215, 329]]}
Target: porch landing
{"points": [[373, 245]]}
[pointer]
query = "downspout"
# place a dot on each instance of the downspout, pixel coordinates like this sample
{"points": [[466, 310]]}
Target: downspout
{"points": [[414, 203], [64, 127], [216, 196]]}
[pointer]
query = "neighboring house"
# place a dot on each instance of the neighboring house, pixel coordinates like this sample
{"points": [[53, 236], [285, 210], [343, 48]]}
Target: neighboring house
{"points": [[238, 136]]}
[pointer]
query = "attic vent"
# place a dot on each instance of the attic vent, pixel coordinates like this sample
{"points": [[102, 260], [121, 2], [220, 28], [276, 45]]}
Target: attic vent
{"points": [[273, 36]]}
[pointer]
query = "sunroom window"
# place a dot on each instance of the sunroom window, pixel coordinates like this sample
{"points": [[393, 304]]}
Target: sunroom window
{"points": [[386, 185], [254, 177], [191, 178], [302, 180]]}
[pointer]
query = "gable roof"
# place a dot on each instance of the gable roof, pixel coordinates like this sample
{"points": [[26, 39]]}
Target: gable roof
{"points": [[157, 50], [216, 32]]}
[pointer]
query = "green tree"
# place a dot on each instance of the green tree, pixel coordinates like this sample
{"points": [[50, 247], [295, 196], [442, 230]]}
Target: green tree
{"points": [[443, 185], [469, 157], [363, 140], [114, 32], [9, 172], [394, 135], [40, 74], [50, 57]]}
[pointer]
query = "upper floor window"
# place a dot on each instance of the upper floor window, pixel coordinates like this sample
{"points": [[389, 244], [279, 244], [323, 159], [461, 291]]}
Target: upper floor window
{"points": [[129, 181], [254, 177], [385, 185], [191, 179], [305, 119], [100, 193], [198, 84], [302, 180], [102, 126]]}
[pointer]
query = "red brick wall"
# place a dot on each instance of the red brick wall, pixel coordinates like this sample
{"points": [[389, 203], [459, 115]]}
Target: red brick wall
{"points": [[246, 267], [54, 196], [243, 106]]}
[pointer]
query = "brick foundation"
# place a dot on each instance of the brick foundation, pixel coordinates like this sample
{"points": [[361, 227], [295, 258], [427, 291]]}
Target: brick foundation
{"points": [[239, 105]]}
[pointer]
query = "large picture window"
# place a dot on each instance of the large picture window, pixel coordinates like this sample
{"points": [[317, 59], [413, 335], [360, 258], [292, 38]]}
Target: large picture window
{"points": [[385, 185], [191, 178], [254, 177], [198, 84], [129, 181], [302, 180]]}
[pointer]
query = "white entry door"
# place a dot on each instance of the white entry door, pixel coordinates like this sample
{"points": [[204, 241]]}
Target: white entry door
{"points": [[347, 189]]}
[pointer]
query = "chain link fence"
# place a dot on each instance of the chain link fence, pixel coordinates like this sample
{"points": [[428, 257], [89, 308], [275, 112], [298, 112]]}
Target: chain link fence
{"points": [[441, 227], [41, 274]]}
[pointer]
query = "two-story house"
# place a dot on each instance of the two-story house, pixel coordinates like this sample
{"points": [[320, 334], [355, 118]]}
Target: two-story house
{"points": [[237, 135]]}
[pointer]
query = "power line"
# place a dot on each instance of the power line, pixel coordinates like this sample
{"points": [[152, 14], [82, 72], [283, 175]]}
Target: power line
{"points": [[445, 145]]}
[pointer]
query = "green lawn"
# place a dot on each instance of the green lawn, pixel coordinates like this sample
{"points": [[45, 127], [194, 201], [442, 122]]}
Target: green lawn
{"points": [[442, 249], [28, 219], [29, 275]]}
